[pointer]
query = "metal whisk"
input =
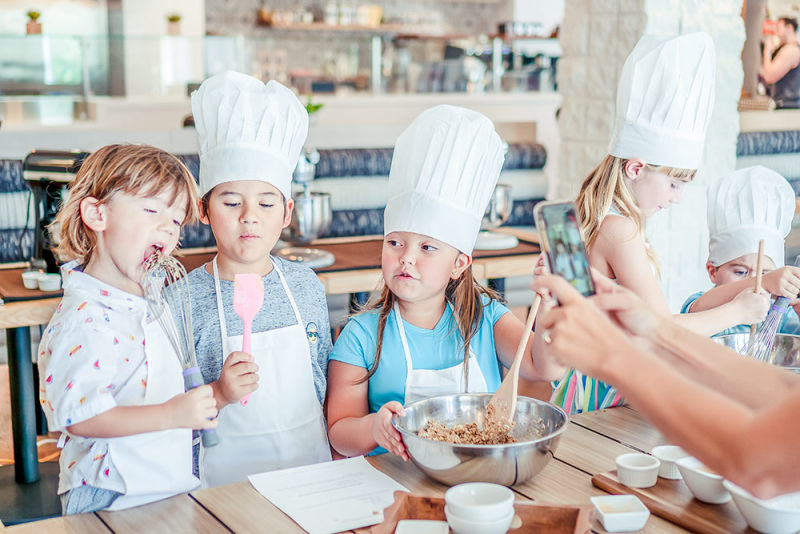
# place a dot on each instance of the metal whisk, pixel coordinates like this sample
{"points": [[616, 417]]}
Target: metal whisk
{"points": [[761, 345], [166, 291]]}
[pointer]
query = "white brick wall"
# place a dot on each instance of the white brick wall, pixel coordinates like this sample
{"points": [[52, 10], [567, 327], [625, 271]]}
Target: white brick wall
{"points": [[596, 38]]}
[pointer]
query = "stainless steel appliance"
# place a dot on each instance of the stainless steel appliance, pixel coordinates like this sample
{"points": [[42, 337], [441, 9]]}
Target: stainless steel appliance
{"points": [[497, 212], [49, 172], [311, 218]]}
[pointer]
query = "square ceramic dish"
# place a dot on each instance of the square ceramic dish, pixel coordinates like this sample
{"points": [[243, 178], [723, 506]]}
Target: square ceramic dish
{"points": [[621, 513]]}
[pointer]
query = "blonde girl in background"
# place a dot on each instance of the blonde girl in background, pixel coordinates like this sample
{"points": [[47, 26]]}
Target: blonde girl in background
{"points": [[110, 380], [433, 330], [664, 102]]}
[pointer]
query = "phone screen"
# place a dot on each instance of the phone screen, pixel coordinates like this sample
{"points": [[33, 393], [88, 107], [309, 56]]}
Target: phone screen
{"points": [[566, 252]]}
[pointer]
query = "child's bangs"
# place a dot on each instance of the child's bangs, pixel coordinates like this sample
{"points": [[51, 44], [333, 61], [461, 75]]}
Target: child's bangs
{"points": [[161, 175], [684, 175]]}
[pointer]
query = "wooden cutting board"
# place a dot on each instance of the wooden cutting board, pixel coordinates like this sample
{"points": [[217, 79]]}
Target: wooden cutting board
{"points": [[553, 519], [672, 500]]}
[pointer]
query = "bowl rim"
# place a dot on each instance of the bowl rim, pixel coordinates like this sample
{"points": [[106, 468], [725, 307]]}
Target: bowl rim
{"points": [[686, 463], [454, 493], [736, 490], [659, 450], [555, 433]]}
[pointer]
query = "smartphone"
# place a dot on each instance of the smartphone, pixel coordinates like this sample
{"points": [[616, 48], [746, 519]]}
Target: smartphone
{"points": [[560, 237]]}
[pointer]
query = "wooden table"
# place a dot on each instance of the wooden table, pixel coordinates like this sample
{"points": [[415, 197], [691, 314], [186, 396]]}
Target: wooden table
{"points": [[357, 271], [588, 447]]}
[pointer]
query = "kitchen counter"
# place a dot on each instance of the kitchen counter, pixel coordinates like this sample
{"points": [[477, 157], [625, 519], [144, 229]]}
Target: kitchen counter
{"points": [[588, 447]]}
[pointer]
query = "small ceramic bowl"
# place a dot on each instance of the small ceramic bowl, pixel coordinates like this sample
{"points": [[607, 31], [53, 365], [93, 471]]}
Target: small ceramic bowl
{"points": [[705, 484], [778, 515], [637, 470], [49, 282], [667, 454], [461, 525], [30, 279], [480, 501], [621, 513]]}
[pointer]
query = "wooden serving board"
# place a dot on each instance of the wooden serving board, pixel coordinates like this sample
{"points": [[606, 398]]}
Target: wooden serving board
{"points": [[552, 519], [672, 500]]}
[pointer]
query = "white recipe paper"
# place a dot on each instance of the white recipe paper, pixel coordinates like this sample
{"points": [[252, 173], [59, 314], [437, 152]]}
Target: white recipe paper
{"points": [[331, 496]]}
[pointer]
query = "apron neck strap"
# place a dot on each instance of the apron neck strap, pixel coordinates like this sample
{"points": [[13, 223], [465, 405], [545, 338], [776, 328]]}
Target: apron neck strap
{"points": [[399, 320]]}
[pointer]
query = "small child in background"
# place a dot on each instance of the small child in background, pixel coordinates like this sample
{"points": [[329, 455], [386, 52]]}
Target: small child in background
{"points": [[434, 329], [251, 135], [744, 207], [110, 380]]}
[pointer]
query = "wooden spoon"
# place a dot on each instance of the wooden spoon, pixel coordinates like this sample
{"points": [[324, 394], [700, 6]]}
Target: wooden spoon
{"points": [[759, 263], [503, 403]]}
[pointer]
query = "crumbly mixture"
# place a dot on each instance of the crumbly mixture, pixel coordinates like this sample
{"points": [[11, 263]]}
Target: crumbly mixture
{"points": [[493, 433]]}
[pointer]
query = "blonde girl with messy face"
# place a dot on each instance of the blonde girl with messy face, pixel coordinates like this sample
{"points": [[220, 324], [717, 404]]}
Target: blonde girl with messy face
{"points": [[110, 380]]}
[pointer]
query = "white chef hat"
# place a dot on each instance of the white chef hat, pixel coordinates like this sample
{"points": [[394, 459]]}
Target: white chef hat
{"points": [[248, 131], [664, 101], [744, 207], [444, 169]]}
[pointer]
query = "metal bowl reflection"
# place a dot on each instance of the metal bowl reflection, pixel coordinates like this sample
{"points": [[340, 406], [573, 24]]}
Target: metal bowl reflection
{"points": [[311, 217], [785, 352], [506, 464], [499, 209]]}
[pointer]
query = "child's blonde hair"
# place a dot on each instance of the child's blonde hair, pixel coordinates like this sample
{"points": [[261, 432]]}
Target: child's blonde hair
{"points": [[141, 170], [605, 187], [464, 294]]}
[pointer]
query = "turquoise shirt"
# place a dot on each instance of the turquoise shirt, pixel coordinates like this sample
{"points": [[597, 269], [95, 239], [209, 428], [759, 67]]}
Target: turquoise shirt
{"points": [[438, 348], [790, 324]]}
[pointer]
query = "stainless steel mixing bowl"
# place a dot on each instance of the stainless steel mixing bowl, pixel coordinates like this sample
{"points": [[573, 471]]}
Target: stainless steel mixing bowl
{"points": [[785, 352], [311, 217], [506, 464]]}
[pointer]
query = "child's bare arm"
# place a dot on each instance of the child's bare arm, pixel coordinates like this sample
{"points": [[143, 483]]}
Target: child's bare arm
{"points": [[783, 282], [508, 331], [746, 308], [194, 409], [352, 430]]}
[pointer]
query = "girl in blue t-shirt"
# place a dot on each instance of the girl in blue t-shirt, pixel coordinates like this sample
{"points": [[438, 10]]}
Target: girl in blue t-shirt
{"points": [[433, 329]]}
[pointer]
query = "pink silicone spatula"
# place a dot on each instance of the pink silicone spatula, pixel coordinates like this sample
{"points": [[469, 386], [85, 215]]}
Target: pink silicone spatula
{"points": [[248, 296]]}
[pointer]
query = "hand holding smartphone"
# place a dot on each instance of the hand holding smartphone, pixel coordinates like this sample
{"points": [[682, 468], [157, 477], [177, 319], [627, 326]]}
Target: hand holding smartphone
{"points": [[561, 240]]}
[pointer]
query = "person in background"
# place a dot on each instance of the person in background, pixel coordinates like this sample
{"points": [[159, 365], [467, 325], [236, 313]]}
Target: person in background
{"points": [[744, 207], [434, 329], [780, 67], [251, 135], [737, 415], [664, 103], [110, 380]]}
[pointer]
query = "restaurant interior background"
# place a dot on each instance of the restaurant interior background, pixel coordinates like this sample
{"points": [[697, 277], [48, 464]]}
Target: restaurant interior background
{"points": [[103, 71]]}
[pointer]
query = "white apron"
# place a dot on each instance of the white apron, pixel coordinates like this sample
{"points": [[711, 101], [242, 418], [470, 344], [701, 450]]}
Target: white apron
{"points": [[424, 383], [282, 425], [155, 465]]}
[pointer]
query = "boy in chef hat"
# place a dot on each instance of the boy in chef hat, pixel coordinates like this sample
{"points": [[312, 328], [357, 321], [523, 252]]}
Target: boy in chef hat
{"points": [[251, 135], [744, 207], [433, 329], [664, 102]]}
